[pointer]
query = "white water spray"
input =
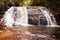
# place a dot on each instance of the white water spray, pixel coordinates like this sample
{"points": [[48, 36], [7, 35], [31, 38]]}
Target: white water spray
{"points": [[19, 16], [16, 16], [8, 17], [50, 21]]}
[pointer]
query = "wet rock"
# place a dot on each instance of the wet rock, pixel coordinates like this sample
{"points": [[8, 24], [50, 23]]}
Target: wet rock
{"points": [[15, 34]]}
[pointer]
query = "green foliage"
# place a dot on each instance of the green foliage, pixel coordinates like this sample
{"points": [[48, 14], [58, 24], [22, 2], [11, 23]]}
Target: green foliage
{"points": [[27, 2], [53, 4]]}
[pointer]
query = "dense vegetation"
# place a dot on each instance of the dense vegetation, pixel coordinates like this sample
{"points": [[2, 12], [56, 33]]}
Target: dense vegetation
{"points": [[53, 4]]}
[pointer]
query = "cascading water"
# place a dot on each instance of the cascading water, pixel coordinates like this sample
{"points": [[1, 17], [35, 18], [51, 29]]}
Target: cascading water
{"points": [[49, 17], [8, 17], [15, 16], [19, 16], [41, 16]]}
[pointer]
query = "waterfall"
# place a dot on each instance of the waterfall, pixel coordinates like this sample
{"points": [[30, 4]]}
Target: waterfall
{"points": [[41, 16], [19, 16], [16, 16], [49, 17], [8, 17]]}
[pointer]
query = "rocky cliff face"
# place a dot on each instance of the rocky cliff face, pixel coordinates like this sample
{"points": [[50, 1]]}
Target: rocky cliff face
{"points": [[56, 14]]}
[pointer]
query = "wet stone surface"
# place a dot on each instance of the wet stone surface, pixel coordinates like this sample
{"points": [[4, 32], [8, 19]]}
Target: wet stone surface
{"points": [[20, 34]]}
